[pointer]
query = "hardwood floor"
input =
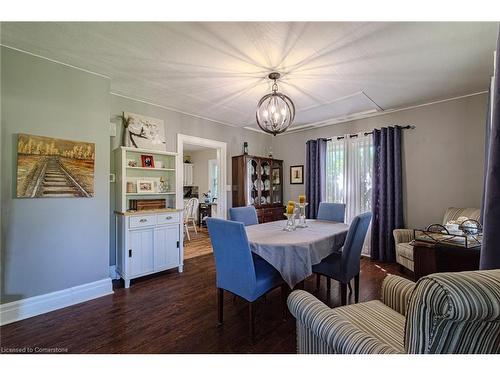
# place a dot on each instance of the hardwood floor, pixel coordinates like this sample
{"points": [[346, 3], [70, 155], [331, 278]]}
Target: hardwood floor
{"points": [[198, 245], [175, 313]]}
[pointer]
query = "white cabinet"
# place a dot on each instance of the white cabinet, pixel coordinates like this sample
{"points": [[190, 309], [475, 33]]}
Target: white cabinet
{"points": [[188, 174], [166, 254], [141, 252], [148, 243]]}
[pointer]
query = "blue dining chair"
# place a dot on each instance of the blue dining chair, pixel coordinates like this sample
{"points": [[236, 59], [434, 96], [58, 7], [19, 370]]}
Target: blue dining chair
{"points": [[343, 265], [238, 270], [246, 215], [331, 212]]}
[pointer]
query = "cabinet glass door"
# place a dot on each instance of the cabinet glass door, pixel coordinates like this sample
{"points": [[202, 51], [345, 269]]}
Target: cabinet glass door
{"points": [[253, 182], [265, 184], [277, 181]]}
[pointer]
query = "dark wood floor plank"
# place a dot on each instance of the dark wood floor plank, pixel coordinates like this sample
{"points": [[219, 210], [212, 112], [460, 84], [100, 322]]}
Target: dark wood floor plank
{"points": [[175, 313]]}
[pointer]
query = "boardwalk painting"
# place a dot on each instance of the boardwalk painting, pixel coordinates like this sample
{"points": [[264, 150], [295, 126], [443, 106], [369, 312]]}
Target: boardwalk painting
{"points": [[54, 168]]}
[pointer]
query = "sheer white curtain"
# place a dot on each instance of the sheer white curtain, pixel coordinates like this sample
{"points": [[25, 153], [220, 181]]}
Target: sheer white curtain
{"points": [[349, 164]]}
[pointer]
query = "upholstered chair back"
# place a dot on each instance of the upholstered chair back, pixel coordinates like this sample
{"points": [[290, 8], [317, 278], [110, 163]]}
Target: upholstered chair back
{"points": [[454, 313], [353, 245], [246, 215], [331, 212], [234, 266], [453, 213]]}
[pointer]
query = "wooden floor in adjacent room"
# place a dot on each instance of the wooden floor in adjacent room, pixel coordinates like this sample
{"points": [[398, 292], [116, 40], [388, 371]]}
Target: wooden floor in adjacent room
{"points": [[174, 313], [198, 245]]}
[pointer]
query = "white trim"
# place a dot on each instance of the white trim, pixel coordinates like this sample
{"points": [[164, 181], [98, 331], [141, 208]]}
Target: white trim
{"points": [[55, 61], [32, 306], [175, 110], [222, 160], [323, 123]]}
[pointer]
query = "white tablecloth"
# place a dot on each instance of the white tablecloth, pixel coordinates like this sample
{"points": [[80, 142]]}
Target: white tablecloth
{"points": [[294, 253]]}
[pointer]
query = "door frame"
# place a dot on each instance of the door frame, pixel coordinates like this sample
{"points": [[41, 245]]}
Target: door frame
{"points": [[221, 148]]}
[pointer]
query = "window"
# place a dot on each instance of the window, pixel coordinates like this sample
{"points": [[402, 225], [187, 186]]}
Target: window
{"points": [[349, 164]]}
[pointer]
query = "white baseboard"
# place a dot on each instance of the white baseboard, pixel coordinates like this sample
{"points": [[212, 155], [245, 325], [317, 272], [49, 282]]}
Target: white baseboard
{"points": [[112, 273], [32, 306]]}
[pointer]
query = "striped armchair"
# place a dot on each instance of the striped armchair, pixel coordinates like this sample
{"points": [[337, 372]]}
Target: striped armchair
{"points": [[442, 313], [403, 237]]}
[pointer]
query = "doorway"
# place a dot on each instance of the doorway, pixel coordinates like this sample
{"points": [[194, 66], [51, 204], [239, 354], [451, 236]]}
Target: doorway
{"points": [[200, 185]]}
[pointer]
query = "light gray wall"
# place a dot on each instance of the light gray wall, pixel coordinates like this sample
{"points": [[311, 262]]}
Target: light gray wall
{"points": [[443, 156], [52, 244], [200, 160], [178, 123]]}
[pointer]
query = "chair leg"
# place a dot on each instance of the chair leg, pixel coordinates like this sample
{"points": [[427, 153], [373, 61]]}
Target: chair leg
{"points": [[194, 226], [220, 306], [343, 294], [251, 320], [356, 288], [187, 232], [328, 288], [318, 282], [284, 293]]}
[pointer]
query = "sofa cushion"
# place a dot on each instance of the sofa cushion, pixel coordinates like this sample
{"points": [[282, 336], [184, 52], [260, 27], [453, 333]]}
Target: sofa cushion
{"points": [[375, 320], [405, 250]]}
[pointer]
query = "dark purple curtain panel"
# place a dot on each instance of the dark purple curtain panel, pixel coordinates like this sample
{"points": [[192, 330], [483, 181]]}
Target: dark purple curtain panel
{"points": [[490, 251], [315, 175], [387, 192]]}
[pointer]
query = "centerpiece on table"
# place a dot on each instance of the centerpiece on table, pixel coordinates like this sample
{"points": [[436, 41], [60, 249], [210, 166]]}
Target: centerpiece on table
{"points": [[302, 212], [290, 216]]}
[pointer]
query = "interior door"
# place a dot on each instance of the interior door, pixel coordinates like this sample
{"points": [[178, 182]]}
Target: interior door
{"points": [[166, 247], [140, 252]]}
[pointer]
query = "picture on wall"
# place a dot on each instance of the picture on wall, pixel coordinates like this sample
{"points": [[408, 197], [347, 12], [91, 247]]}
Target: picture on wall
{"points": [[54, 168], [297, 174], [144, 132]]}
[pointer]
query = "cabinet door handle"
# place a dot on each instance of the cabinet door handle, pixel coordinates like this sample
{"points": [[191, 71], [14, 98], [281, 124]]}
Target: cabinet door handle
{"points": [[168, 218], [143, 220], [130, 253]]}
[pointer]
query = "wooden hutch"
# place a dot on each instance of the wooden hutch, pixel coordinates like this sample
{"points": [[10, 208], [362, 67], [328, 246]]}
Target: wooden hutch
{"points": [[258, 181]]}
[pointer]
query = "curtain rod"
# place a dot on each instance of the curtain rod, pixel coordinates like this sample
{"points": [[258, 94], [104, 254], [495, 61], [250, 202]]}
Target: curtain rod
{"points": [[366, 133]]}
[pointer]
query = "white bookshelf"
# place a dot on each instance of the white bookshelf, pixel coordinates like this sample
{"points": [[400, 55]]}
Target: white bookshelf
{"points": [[126, 173]]}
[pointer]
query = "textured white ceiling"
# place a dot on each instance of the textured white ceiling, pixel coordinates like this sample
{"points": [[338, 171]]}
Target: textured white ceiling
{"points": [[219, 70]]}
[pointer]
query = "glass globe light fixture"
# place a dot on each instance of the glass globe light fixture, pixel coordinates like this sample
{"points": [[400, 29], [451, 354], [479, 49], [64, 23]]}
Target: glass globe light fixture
{"points": [[275, 111]]}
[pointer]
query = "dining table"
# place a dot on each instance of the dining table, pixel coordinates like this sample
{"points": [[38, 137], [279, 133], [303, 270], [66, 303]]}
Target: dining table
{"points": [[294, 253]]}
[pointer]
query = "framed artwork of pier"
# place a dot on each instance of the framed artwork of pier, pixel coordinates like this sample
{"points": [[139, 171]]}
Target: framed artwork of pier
{"points": [[54, 168]]}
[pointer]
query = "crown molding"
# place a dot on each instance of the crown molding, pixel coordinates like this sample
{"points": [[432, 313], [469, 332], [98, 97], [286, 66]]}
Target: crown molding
{"points": [[336, 121], [55, 61]]}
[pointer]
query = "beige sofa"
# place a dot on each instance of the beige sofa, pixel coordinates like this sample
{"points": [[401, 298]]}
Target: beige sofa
{"points": [[441, 313], [403, 237]]}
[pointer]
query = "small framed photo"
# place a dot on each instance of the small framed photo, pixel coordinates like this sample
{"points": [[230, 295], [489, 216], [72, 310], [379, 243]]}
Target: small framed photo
{"points": [[296, 174], [147, 161], [146, 186]]}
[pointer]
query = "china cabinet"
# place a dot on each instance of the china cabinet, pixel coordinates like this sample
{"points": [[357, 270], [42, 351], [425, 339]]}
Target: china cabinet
{"points": [[258, 181]]}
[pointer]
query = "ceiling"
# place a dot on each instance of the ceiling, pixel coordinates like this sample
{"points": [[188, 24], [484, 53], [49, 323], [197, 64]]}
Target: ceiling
{"points": [[218, 70]]}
